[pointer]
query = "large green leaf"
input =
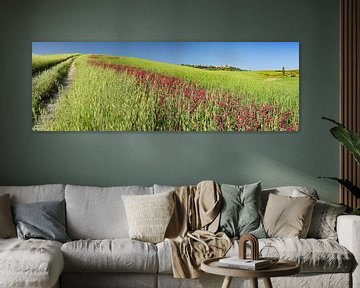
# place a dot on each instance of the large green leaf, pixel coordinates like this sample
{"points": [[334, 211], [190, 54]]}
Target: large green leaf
{"points": [[348, 138], [355, 211], [347, 184]]}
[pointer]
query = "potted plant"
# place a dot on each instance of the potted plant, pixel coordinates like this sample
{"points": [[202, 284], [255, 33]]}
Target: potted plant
{"points": [[351, 141]]}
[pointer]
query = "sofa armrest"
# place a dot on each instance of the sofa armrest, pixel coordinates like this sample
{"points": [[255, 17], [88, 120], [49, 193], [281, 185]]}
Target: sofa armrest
{"points": [[348, 230]]}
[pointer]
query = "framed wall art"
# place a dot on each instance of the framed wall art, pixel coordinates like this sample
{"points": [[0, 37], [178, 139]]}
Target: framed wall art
{"points": [[165, 86]]}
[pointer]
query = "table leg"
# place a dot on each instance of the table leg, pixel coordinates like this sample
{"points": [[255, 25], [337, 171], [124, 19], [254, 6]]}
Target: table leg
{"points": [[254, 282], [267, 283], [227, 282]]}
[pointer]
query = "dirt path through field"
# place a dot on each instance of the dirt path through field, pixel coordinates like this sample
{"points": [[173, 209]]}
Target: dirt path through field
{"points": [[54, 96]]}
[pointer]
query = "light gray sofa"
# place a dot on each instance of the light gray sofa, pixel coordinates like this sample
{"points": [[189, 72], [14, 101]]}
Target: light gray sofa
{"points": [[101, 255]]}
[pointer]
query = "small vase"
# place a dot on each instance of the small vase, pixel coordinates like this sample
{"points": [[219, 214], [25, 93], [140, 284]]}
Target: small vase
{"points": [[270, 253]]}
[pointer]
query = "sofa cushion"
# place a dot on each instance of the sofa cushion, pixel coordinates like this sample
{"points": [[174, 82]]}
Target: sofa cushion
{"points": [[43, 220], [313, 255], [36, 193], [291, 191], [240, 210], [149, 215], [323, 222], [117, 255], [30, 263], [163, 188], [98, 212], [287, 216], [7, 226], [164, 257]]}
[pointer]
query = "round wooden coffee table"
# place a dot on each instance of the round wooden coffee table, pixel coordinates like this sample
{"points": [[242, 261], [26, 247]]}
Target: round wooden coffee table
{"points": [[281, 268]]}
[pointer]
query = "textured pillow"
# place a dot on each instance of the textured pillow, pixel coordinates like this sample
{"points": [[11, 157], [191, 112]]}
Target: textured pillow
{"points": [[240, 210], [291, 191], [323, 222], [43, 220], [7, 227], [149, 215], [288, 217]]}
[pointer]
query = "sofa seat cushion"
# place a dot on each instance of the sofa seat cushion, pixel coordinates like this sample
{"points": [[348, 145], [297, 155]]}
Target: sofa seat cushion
{"points": [[115, 255], [313, 255], [30, 263]]}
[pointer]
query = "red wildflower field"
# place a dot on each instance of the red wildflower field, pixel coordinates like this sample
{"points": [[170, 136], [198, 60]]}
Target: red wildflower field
{"points": [[185, 106]]}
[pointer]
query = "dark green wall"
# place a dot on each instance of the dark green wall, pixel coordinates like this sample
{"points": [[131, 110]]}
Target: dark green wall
{"points": [[29, 157]]}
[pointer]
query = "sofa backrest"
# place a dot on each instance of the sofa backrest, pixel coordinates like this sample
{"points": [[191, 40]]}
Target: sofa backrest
{"points": [[36, 193], [98, 212], [163, 188], [293, 191]]}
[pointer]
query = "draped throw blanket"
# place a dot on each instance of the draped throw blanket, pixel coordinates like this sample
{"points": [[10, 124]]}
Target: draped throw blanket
{"points": [[191, 231]]}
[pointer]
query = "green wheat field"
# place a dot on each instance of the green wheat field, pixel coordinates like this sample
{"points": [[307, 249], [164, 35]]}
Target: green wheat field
{"points": [[90, 92]]}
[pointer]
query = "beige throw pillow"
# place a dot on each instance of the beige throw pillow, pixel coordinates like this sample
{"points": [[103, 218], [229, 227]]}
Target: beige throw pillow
{"points": [[149, 215], [7, 226], [288, 217]]}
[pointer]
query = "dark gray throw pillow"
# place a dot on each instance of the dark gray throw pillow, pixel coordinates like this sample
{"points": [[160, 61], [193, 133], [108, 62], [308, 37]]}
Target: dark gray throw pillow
{"points": [[43, 220], [240, 213]]}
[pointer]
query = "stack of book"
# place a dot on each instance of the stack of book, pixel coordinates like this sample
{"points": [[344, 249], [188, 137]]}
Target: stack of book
{"points": [[248, 264]]}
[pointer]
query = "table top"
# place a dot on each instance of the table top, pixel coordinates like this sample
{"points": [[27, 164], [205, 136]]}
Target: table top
{"points": [[281, 268]]}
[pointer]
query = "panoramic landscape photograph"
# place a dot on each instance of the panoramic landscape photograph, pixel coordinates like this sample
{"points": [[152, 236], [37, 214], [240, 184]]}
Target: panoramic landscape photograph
{"points": [[165, 86]]}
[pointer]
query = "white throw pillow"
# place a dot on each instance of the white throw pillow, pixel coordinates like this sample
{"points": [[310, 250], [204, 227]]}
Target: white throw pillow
{"points": [[149, 215]]}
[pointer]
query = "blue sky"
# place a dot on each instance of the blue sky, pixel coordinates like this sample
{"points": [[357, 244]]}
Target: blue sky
{"points": [[245, 55]]}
